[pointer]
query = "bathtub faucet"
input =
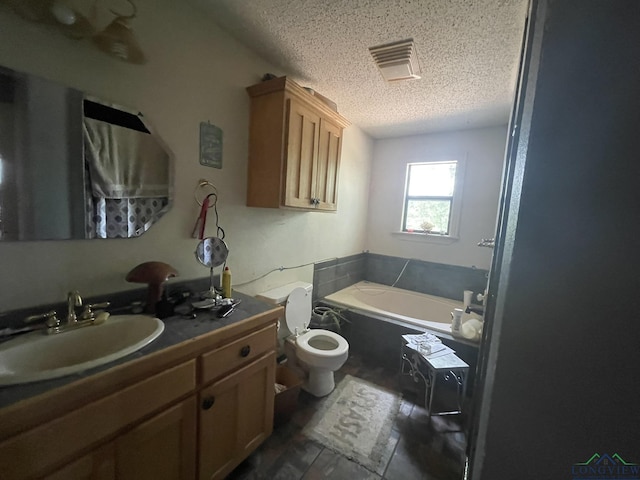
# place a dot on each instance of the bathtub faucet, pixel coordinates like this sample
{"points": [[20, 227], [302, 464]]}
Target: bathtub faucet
{"points": [[479, 309]]}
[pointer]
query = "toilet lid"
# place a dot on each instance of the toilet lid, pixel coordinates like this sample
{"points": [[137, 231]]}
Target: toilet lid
{"points": [[297, 312]]}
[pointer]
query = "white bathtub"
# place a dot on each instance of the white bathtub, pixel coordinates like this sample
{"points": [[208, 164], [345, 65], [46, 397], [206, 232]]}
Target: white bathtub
{"points": [[427, 311]]}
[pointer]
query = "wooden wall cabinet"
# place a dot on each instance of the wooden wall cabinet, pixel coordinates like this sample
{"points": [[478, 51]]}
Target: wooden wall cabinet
{"points": [[295, 143], [196, 419]]}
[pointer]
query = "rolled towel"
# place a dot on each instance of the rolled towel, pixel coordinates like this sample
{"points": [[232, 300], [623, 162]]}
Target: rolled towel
{"points": [[471, 329]]}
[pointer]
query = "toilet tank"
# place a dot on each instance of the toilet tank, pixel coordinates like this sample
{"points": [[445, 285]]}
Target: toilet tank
{"points": [[279, 295]]}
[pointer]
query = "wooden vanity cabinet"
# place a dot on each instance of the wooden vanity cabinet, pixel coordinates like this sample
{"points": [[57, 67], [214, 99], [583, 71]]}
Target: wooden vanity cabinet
{"points": [[236, 403], [163, 447], [236, 416], [198, 411], [295, 143], [99, 464], [68, 434]]}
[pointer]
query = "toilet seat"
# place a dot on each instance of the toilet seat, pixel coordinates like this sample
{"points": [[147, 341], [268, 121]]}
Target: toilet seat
{"points": [[341, 345], [297, 312]]}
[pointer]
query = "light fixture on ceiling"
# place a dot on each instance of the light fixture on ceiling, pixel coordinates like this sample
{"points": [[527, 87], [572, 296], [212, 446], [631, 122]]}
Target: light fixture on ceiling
{"points": [[55, 12], [117, 38], [70, 21], [397, 61]]}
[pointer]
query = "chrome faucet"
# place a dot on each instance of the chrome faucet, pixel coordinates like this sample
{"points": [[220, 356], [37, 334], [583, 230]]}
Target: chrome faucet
{"points": [[73, 300], [48, 320], [50, 323]]}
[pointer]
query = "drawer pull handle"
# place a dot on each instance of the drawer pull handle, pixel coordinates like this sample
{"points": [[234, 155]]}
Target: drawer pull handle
{"points": [[208, 402], [245, 351]]}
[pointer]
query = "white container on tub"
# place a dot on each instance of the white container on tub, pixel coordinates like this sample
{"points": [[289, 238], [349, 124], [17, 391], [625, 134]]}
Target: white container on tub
{"points": [[456, 321]]}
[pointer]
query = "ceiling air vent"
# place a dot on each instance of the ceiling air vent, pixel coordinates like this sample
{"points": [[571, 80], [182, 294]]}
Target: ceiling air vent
{"points": [[397, 60]]}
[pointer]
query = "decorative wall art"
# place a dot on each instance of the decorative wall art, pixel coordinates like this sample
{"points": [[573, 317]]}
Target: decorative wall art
{"points": [[210, 145]]}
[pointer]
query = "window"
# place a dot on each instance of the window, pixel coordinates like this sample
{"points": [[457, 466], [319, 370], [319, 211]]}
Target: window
{"points": [[429, 205]]}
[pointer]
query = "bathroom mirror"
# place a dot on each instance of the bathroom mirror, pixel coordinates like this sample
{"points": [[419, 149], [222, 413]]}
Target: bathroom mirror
{"points": [[75, 167], [212, 252]]}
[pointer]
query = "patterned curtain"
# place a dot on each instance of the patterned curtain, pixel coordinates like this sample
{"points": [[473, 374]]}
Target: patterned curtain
{"points": [[124, 217], [127, 185], [120, 217]]}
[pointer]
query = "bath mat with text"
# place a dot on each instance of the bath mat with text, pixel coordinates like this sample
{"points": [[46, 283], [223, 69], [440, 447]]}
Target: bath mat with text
{"points": [[356, 421]]}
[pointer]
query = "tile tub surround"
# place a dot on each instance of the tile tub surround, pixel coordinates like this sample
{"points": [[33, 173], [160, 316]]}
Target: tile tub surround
{"points": [[441, 280], [379, 339], [374, 336], [338, 273]]}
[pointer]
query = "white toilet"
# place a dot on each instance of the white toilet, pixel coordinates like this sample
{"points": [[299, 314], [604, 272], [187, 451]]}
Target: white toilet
{"points": [[318, 352]]}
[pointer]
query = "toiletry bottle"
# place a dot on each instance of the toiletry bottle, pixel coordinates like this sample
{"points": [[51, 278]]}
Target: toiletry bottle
{"points": [[456, 321], [226, 283]]}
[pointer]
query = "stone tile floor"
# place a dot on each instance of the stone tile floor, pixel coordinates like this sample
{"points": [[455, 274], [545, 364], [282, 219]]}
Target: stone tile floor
{"points": [[425, 448]]}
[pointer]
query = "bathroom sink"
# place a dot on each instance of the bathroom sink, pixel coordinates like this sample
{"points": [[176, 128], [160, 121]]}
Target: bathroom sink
{"points": [[38, 356]]}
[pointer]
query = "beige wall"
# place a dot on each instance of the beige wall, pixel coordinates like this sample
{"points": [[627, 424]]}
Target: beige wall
{"points": [[483, 150], [195, 73]]}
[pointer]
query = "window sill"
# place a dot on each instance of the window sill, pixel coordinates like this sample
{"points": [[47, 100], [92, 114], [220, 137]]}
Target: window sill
{"points": [[426, 238]]}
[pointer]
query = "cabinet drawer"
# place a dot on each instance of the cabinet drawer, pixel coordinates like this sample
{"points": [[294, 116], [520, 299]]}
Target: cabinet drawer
{"points": [[36, 451], [237, 353]]}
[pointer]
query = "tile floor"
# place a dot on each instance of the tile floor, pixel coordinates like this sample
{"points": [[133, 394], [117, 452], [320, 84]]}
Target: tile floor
{"points": [[424, 448]]}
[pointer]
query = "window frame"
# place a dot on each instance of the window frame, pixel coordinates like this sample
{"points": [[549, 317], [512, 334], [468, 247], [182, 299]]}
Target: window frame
{"points": [[455, 201]]}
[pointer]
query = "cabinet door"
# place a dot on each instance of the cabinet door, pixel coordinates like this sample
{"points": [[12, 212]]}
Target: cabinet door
{"points": [[163, 447], [96, 465], [303, 127], [35, 452], [328, 165], [236, 415]]}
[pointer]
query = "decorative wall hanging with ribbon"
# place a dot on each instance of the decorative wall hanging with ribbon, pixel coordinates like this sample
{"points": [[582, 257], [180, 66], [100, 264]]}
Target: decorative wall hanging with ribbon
{"points": [[206, 196]]}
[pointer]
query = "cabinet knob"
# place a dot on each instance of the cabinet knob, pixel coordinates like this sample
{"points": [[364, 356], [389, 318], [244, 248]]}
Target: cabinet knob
{"points": [[245, 351], [208, 402]]}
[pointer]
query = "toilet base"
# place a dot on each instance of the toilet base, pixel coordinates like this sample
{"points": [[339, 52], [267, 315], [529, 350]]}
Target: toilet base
{"points": [[320, 382]]}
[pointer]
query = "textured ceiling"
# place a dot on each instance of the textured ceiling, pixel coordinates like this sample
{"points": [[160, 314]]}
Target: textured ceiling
{"points": [[468, 52]]}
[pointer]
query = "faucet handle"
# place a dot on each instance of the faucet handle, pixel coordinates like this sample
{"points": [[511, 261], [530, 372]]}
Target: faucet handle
{"points": [[89, 314], [50, 319]]}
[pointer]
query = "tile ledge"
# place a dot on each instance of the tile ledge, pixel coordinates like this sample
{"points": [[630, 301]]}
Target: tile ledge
{"points": [[426, 238]]}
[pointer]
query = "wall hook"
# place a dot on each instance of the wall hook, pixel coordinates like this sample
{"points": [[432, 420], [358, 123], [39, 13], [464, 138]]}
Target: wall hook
{"points": [[205, 189]]}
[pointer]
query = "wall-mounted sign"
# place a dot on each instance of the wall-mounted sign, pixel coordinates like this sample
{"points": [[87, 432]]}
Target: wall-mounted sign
{"points": [[210, 145]]}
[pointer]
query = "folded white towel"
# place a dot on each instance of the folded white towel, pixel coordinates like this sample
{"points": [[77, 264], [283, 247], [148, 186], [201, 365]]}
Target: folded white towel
{"points": [[471, 329]]}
